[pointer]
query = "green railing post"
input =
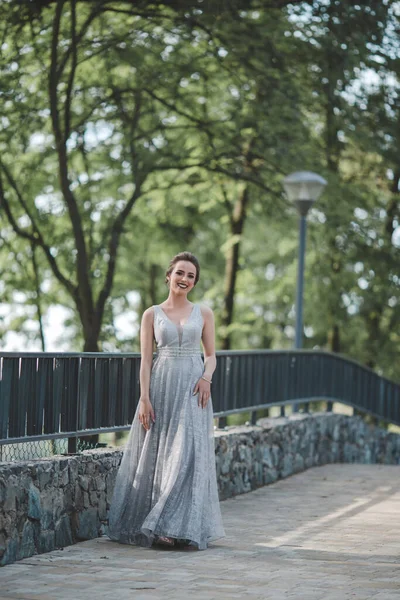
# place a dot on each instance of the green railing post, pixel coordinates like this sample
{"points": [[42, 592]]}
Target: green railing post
{"points": [[72, 445], [222, 421]]}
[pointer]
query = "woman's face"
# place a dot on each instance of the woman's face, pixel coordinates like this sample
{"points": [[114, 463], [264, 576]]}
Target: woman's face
{"points": [[182, 278]]}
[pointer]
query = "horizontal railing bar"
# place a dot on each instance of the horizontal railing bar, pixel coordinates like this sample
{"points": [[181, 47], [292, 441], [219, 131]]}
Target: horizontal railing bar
{"points": [[302, 401], [117, 428], [89, 432], [70, 354]]}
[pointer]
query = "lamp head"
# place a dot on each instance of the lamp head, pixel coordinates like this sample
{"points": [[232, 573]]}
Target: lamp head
{"points": [[304, 188]]}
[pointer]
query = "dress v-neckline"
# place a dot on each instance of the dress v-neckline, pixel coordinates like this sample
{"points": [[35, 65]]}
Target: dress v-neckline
{"points": [[178, 325]]}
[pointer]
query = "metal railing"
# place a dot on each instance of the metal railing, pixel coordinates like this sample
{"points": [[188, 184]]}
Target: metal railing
{"points": [[72, 395]]}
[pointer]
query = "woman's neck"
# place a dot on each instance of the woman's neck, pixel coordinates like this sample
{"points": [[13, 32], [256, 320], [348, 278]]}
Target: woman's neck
{"points": [[175, 301]]}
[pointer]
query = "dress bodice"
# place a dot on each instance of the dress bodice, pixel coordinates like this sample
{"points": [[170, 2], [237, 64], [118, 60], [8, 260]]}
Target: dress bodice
{"points": [[170, 335]]}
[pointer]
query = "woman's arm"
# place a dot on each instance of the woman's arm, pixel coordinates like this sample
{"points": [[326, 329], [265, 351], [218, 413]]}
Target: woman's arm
{"points": [[208, 339], [203, 386], [146, 350]]}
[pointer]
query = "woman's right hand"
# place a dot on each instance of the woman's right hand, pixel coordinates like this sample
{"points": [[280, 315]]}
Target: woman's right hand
{"points": [[146, 413]]}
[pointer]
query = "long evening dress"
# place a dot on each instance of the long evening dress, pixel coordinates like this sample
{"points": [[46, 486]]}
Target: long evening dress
{"points": [[166, 484]]}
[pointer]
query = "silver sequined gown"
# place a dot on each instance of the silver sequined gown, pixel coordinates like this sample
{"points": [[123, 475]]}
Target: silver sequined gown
{"points": [[166, 483]]}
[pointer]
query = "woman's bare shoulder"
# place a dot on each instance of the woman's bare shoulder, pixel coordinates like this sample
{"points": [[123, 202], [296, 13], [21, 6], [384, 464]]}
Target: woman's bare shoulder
{"points": [[148, 315], [206, 311]]}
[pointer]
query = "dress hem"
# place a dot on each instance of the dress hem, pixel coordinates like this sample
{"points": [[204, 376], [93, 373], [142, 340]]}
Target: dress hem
{"points": [[145, 538]]}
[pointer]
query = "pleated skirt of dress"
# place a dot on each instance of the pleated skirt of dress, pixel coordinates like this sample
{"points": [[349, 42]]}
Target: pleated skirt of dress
{"points": [[166, 483]]}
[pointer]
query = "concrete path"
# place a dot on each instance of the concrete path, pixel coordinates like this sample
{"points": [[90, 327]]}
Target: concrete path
{"points": [[330, 533]]}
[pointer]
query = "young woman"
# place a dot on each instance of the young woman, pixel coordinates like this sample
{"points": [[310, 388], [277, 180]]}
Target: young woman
{"points": [[166, 487]]}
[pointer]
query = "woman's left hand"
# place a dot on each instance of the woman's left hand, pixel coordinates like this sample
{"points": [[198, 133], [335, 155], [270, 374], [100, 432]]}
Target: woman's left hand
{"points": [[203, 389]]}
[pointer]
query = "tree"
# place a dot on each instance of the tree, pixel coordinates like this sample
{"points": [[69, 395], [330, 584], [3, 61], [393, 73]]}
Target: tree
{"points": [[130, 130], [338, 40], [91, 110]]}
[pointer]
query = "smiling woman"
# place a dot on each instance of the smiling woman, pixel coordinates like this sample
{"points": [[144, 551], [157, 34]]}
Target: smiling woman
{"points": [[166, 488]]}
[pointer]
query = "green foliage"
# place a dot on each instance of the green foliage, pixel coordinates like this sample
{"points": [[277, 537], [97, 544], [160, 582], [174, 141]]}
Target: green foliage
{"points": [[166, 114]]}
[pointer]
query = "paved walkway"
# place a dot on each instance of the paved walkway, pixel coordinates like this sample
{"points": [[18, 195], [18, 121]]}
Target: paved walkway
{"points": [[330, 533]]}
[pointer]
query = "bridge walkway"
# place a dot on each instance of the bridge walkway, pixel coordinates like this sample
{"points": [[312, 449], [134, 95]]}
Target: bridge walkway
{"points": [[329, 533]]}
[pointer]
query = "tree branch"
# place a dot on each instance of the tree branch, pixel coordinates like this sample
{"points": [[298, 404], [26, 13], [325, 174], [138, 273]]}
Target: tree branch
{"points": [[85, 296], [36, 239], [228, 205], [38, 297], [78, 37], [173, 107], [74, 60], [217, 169], [117, 227], [116, 231]]}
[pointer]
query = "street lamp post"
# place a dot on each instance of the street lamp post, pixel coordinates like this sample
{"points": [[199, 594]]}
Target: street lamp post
{"points": [[303, 188]]}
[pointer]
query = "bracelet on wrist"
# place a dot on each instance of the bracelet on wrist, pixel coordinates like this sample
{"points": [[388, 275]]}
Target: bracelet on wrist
{"points": [[205, 379]]}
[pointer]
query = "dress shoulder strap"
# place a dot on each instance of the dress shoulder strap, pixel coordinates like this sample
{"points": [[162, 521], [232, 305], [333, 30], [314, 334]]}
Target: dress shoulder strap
{"points": [[199, 313]]}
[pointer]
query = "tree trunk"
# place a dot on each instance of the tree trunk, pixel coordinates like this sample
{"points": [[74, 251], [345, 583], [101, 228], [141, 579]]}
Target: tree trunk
{"points": [[38, 298], [91, 333], [232, 265], [375, 314], [152, 284], [91, 343], [332, 154], [374, 334], [334, 338], [391, 210]]}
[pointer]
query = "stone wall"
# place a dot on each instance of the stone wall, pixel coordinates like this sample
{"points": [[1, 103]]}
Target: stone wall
{"points": [[52, 503], [249, 457]]}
